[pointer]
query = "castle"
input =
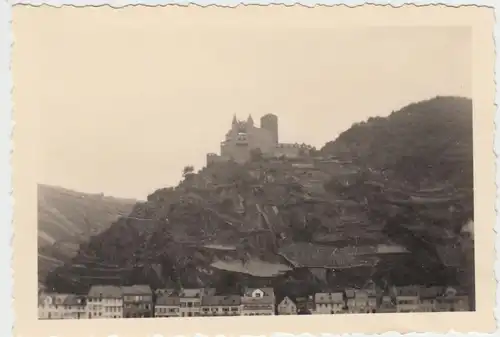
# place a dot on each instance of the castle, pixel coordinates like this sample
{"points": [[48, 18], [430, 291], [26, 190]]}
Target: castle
{"points": [[244, 137]]}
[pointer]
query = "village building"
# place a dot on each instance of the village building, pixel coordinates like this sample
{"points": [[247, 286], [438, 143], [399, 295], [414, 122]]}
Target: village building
{"points": [[329, 303], [387, 305], [161, 291], [365, 301], [104, 301], [74, 307], [453, 299], [407, 299], [350, 300], [190, 300], [428, 298], [258, 301], [221, 305], [53, 306], [287, 307], [167, 305], [305, 305], [137, 301]]}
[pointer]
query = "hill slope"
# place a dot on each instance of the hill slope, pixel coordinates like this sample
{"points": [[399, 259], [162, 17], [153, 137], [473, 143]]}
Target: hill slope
{"points": [[283, 216], [67, 218]]}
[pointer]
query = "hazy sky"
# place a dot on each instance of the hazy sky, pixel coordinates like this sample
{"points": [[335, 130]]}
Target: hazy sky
{"points": [[124, 104]]}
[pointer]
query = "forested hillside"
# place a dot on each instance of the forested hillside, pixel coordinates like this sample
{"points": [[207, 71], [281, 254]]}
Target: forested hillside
{"points": [[68, 218]]}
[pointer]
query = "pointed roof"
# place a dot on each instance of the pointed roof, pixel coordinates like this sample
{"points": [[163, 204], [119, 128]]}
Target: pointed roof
{"points": [[234, 119], [250, 119]]}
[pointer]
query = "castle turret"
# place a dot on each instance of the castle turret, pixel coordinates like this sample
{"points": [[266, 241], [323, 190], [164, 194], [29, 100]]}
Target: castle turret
{"points": [[269, 122], [250, 120], [235, 121]]}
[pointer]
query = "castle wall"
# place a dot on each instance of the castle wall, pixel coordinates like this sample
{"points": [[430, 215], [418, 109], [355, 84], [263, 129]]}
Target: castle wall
{"points": [[262, 139], [287, 150], [237, 150], [213, 158]]}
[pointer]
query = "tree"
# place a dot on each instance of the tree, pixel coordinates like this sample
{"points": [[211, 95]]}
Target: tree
{"points": [[187, 171]]}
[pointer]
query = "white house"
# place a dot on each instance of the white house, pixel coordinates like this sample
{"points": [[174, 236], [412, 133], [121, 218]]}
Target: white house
{"points": [[104, 301], [329, 303], [61, 306], [407, 299], [287, 307], [257, 302], [221, 305]]}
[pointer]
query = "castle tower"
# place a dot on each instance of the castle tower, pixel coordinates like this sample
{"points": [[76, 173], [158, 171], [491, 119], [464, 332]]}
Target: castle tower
{"points": [[235, 121], [269, 122], [250, 121]]}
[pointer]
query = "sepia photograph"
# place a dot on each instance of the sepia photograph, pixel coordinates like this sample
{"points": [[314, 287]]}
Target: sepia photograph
{"points": [[199, 166]]}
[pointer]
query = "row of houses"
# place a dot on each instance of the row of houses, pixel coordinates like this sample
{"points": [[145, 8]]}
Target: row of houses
{"points": [[102, 301], [140, 301], [397, 299]]}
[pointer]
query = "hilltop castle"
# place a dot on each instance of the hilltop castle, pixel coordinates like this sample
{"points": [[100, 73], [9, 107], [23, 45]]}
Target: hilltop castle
{"points": [[244, 137]]}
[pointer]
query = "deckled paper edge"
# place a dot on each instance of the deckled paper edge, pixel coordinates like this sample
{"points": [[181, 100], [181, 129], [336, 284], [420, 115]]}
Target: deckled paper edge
{"points": [[7, 129]]}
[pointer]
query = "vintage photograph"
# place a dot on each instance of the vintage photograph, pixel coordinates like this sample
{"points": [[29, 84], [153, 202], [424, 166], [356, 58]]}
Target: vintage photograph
{"points": [[213, 167]]}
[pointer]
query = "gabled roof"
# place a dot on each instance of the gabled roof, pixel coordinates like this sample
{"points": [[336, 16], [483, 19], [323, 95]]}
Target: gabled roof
{"points": [[287, 299], [168, 291], [56, 298], [167, 300], [350, 293], [408, 291], [431, 292], [267, 291], [105, 291], [231, 300], [360, 294], [137, 289], [74, 300], [196, 292], [324, 298]]}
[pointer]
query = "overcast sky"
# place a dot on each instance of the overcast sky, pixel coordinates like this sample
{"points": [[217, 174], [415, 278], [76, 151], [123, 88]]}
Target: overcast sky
{"points": [[124, 104]]}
